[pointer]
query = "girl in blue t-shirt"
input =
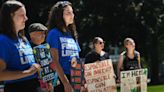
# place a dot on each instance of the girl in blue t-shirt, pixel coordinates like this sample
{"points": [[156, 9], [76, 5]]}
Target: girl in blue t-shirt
{"points": [[17, 64], [62, 37]]}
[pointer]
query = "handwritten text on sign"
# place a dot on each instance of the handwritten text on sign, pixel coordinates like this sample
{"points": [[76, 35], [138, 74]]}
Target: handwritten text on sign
{"points": [[99, 76], [134, 80]]}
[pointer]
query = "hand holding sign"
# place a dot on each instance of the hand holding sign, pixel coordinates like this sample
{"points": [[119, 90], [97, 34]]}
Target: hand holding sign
{"points": [[74, 62]]}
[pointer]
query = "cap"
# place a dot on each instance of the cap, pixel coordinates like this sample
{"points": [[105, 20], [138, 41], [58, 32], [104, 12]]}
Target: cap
{"points": [[36, 27]]}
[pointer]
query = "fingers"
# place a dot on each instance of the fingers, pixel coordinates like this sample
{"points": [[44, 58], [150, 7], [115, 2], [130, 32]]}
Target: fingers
{"points": [[73, 62], [36, 66]]}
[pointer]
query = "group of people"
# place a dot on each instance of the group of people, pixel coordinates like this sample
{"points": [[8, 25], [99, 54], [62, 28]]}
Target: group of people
{"points": [[18, 68]]}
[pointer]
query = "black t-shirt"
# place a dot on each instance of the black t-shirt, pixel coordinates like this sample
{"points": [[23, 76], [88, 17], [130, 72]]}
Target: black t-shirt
{"points": [[92, 56], [130, 63]]}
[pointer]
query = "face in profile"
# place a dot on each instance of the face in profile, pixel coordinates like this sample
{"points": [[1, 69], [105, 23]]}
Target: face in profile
{"points": [[37, 37], [99, 44], [68, 15], [19, 18]]}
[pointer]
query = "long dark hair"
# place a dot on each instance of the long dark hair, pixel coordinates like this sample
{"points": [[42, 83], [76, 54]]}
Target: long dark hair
{"points": [[56, 19], [7, 26]]}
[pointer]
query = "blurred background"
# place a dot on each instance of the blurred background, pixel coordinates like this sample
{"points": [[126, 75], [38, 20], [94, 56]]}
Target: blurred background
{"points": [[114, 20]]}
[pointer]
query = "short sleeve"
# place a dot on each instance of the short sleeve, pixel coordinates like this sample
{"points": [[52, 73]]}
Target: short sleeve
{"points": [[78, 46], [4, 55], [53, 39]]}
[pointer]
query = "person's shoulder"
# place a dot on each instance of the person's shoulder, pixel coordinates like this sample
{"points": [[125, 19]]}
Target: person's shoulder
{"points": [[89, 54], [3, 38], [54, 30], [123, 53], [136, 52]]}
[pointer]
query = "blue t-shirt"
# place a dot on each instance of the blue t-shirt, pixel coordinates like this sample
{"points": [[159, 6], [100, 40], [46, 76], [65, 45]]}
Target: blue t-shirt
{"points": [[17, 55], [67, 47]]}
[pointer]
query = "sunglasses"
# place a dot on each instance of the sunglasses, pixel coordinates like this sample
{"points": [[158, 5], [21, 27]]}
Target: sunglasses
{"points": [[101, 42]]}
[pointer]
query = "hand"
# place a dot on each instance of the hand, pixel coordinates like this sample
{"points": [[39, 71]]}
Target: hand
{"points": [[83, 89], [118, 81], [34, 68], [50, 87], [97, 61], [114, 76], [68, 88], [73, 62]]}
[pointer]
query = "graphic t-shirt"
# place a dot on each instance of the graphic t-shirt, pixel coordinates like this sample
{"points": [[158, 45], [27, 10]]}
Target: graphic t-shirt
{"points": [[130, 63], [93, 56], [17, 55], [67, 47]]}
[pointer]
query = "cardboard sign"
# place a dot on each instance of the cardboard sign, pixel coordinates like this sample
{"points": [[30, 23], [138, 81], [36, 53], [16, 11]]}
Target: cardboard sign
{"points": [[43, 57], [99, 76], [77, 76], [134, 80]]}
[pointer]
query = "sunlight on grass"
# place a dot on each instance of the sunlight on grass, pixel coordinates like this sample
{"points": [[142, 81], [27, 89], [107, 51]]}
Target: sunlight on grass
{"points": [[159, 88], [156, 88]]}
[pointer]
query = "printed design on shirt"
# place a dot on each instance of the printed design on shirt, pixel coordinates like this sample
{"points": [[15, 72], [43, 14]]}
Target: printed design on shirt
{"points": [[25, 53], [69, 47], [132, 64]]}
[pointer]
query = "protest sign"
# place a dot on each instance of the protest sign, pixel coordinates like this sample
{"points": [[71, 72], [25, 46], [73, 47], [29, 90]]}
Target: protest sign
{"points": [[43, 57], [99, 76], [77, 75], [134, 80]]}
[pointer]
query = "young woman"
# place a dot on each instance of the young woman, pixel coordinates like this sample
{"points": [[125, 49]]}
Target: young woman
{"points": [[17, 64], [62, 37], [97, 54], [129, 59]]}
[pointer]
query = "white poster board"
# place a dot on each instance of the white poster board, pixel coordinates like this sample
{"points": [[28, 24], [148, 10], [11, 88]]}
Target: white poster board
{"points": [[134, 80], [99, 76]]}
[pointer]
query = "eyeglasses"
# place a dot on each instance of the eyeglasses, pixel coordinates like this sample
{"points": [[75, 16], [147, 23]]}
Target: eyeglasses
{"points": [[101, 42]]}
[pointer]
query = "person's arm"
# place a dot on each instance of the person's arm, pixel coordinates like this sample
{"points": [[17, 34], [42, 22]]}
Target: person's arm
{"points": [[139, 60], [119, 66], [13, 75], [59, 70]]}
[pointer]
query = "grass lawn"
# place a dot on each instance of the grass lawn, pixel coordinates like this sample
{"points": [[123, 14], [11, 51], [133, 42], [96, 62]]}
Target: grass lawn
{"points": [[157, 88], [154, 88]]}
